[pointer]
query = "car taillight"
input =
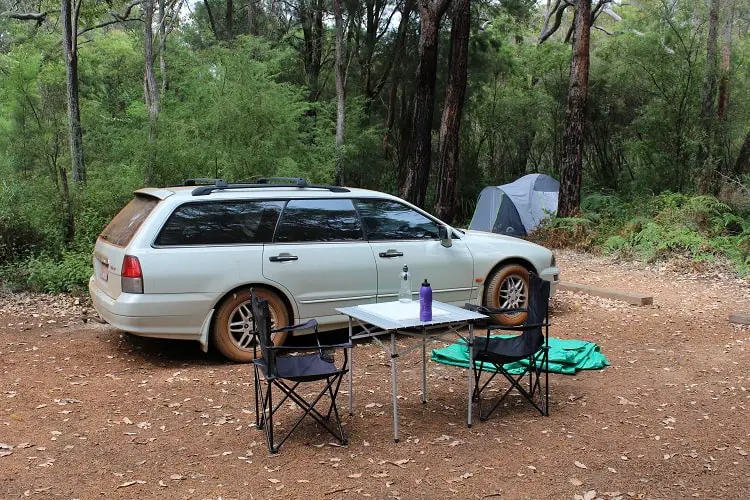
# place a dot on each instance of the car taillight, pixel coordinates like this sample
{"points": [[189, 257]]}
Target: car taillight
{"points": [[131, 276]]}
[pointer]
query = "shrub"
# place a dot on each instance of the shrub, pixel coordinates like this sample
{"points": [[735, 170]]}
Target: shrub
{"points": [[701, 228], [68, 273]]}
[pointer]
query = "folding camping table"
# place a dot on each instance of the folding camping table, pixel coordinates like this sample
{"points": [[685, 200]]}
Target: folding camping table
{"points": [[403, 318]]}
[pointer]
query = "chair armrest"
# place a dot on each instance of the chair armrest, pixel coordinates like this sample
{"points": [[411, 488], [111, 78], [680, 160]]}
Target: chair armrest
{"points": [[492, 310], [347, 345], [301, 326], [518, 328], [309, 347]]}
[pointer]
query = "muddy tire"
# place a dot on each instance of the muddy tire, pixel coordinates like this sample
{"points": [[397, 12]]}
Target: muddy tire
{"points": [[508, 287], [233, 329]]}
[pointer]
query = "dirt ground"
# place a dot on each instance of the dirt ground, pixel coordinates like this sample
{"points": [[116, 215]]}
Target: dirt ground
{"points": [[87, 411]]}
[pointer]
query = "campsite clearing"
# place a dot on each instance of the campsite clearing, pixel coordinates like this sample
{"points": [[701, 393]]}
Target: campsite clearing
{"points": [[91, 412]]}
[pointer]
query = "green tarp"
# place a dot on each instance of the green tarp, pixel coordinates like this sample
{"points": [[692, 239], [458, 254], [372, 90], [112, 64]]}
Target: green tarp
{"points": [[566, 356]]}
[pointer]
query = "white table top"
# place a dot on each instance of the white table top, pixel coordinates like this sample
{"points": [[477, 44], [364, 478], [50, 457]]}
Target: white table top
{"points": [[397, 315]]}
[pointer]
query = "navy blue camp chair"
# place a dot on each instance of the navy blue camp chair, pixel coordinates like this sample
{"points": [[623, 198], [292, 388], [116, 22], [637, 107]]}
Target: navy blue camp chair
{"points": [[286, 372], [532, 344]]}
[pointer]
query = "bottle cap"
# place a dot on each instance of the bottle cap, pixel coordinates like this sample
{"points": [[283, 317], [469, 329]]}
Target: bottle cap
{"points": [[426, 283], [406, 268]]}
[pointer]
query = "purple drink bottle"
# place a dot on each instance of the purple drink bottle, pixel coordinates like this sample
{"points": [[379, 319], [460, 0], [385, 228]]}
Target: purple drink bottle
{"points": [[425, 302]]}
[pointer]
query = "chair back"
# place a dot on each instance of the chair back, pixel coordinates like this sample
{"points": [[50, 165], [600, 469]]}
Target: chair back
{"points": [[539, 291], [262, 320], [538, 305]]}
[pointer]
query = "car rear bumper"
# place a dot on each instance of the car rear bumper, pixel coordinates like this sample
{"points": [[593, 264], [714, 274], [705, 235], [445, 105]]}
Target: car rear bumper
{"points": [[175, 316]]}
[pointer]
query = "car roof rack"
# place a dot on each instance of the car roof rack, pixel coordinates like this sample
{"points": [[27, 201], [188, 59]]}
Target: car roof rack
{"points": [[204, 181], [263, 182], [299, 181]]}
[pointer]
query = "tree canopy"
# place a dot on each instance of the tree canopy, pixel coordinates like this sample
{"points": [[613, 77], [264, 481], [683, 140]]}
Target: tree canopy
{"points": [[100, 98]]}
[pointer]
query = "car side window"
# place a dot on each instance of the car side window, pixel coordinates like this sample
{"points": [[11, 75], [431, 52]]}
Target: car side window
{"points": [[221, 223], [391, 220], [319, 220]]}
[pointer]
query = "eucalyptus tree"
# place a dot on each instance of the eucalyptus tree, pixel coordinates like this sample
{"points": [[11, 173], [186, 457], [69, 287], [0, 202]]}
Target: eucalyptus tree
{"points": [[450, 124], [573, 138], [338, 173], [419, 150]]}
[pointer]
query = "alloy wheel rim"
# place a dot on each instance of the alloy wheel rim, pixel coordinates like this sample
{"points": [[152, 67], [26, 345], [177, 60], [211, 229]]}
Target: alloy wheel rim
{"points": [[242, 327], [513, 293]]}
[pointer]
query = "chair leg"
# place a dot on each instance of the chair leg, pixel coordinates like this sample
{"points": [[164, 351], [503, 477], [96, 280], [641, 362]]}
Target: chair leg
{"points": [[333, 395], [257, 394], [514, 383], [268, 424], [289, 393], [479, 388], [308, 408], [545, 366], [535, 390]]}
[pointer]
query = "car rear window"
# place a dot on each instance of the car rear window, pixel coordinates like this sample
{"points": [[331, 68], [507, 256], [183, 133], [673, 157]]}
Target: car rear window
{"points": [[126, 223], [220, 223]]}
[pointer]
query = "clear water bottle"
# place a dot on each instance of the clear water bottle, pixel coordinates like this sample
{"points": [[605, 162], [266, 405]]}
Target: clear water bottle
{"points": [[404, 291]]}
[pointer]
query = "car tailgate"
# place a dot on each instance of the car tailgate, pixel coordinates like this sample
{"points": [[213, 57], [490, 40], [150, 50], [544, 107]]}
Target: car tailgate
{"points": [[108, 266]]}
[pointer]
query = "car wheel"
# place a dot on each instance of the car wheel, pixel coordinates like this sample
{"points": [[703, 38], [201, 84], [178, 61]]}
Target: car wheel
{"points": [[508, 288], [234, 331]]}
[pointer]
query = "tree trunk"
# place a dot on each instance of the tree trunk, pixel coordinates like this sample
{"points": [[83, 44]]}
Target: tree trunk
{"points": [[419, 151], [339, 169], [150, 89], [367, 51], [162, 47], [399, 47], [722, 136], [575, 119], [252, 18], [450, 125], [229, 21], [742, 166], [406, 112], [69, 10], [390, 115], [708, 96], [708, 99], [311, 17], [70, 228], [725, 65], [211, 21]]}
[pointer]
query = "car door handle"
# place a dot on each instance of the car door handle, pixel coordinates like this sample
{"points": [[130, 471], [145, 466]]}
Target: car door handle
{"points": [[391, 253], [282, 257]]}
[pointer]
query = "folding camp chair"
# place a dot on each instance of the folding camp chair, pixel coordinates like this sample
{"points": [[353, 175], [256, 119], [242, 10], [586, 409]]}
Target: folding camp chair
{"points": [[287, 372], [532, 345]]}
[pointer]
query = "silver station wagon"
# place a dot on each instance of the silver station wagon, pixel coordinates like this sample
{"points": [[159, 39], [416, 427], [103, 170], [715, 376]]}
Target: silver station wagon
{"points": [[179, 262]]}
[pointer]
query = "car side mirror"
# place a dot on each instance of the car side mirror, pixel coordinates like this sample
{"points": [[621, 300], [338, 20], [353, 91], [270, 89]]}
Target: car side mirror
{"points": [[445, 236]]}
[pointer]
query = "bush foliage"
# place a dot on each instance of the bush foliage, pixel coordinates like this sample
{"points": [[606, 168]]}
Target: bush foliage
{"points": [[701, 228], [252, 102]]}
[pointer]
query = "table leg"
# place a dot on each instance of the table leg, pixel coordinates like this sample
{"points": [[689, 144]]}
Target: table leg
{"points": [[424, 371], [351, 371], [394, 356], [471, 372]]}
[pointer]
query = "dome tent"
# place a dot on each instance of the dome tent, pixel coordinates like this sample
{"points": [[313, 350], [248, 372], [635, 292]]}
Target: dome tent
{"points": [[515, 209]]}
